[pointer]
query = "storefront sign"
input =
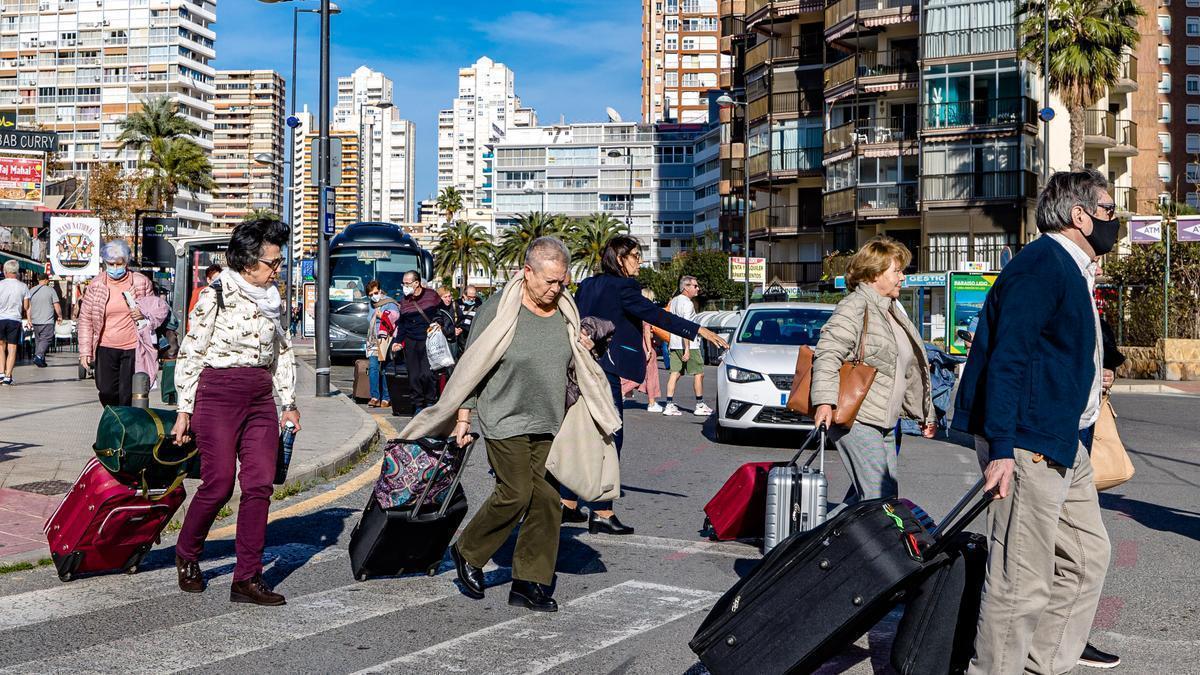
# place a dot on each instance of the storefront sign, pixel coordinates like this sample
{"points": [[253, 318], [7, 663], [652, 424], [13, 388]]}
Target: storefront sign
{"points": [[1145, 229], [75, 246], [156, 249], [21, 180], [758, 270], [310, 310], [32, 141], [1188, 228], [966, 295], [925, 280], [977, 266], [8, 121]]}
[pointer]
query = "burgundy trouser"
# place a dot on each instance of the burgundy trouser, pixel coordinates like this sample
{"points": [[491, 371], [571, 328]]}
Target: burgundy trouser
{"points": [[234, 420]]}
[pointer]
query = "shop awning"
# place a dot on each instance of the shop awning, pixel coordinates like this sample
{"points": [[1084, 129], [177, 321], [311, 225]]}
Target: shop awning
{"points": [[26, 263]]}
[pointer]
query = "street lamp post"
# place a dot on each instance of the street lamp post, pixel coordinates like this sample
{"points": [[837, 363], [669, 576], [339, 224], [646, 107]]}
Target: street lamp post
{"points": [[727, 101], [628, 155]]}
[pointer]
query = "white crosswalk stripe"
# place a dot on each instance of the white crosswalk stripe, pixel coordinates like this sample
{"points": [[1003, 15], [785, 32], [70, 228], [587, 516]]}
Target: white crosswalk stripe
{"points": [[207, 641], [538, 642], [108, 592]]}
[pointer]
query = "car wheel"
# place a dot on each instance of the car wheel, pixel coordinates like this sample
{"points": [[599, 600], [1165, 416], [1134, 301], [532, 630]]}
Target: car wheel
{"points": [[724, 434]]}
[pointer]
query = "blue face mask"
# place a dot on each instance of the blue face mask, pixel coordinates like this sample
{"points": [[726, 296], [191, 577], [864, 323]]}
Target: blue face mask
{"points": [[115, 272]]}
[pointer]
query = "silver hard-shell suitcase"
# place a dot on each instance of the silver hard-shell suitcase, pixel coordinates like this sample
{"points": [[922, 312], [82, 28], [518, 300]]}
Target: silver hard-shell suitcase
{"points": [[796, 495]]}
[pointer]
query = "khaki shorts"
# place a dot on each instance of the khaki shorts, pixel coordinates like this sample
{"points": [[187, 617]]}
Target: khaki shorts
{"points": [[693, 366]]}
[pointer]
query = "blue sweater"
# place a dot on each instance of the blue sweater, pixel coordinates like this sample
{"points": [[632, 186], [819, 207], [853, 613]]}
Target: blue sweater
{"points": [[1029, 374]]}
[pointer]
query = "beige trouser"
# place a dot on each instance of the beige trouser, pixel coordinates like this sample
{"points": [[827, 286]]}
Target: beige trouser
{"points": [[1046, 564]]}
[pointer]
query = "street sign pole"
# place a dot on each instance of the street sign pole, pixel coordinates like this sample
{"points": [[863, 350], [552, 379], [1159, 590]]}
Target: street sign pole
{"points": [[322, 309]]}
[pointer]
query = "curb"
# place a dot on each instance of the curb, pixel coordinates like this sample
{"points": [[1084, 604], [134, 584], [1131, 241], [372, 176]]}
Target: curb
{"points": [[1149, 389]]}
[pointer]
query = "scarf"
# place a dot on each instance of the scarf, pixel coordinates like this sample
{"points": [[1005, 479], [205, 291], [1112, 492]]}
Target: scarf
{"points": [[583, 454], [267, 299]]}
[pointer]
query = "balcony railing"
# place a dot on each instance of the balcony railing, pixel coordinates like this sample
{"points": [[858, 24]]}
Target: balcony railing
{"points": [[786, 161], [978, 186], [986, 40], [1127, 133], [795, 272], [979, 113], [838, 203], [950, 258], [1100, 124], [807, 48], [868, 132], [1128, 69], [871, 64], [899, 197], [1126, 199], [844, 9], [784, 7], [786, 103]]}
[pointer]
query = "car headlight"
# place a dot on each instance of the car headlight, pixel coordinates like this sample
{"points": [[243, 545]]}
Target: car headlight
{"points": [[337, 333], [742, 375]]}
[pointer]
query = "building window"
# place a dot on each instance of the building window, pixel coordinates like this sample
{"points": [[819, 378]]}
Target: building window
{"points": [[1193, 143], [1193, 173], [1193, 26], [1164, 83], [1193, 199], [1193, 113], [1193, 84], [1164, 112], [1164, 172], [1193, 55], [1164, 23], [1164, 140], [1164, 54]]}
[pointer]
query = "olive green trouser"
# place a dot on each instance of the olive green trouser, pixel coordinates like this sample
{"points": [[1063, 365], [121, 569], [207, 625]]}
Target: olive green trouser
{"points": [[521, 490]]}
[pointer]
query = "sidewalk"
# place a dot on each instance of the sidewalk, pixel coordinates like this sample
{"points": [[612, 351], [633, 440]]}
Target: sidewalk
{"points": [[1124, 386], [48, 422]]}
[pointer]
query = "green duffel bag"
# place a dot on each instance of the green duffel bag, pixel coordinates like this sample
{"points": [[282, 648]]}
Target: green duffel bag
{"points": [[166, 383], [136, 447]]}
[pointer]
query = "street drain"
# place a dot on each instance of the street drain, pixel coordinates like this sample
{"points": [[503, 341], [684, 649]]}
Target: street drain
{"points": [[45, 487]]}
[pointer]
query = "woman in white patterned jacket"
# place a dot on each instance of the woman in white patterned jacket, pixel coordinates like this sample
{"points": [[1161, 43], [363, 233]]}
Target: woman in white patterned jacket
{"points": [[236, 356]]}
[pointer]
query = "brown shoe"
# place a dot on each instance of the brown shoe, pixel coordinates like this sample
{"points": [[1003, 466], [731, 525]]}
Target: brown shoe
{"points": [[254, 591], [190, 578], [385, 404]]}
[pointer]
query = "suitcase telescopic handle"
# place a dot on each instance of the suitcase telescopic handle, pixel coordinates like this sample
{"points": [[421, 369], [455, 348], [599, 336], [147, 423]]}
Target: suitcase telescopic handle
{"points": [[818, 432], [453, 485], [956, 523]]}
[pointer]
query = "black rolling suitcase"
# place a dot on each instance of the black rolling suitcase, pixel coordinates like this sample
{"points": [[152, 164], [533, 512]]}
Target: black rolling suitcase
{"points": [[818, 591], [407, 539], [399, 391]]}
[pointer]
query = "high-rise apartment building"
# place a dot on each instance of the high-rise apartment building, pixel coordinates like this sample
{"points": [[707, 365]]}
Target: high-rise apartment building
{"points": [[1171, 45], [247, 121], [365, 106], [680, 59], [346, 195], [80, 66], [485, 110]]}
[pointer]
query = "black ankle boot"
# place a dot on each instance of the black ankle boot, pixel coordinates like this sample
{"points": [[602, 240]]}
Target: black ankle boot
{"points": [[575, 515], [531, 595], [609, 525]]}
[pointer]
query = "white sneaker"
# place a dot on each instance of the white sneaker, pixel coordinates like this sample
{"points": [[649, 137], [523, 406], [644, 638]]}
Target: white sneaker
{"points": [[702, 410], [671, 410], [654, 407]]}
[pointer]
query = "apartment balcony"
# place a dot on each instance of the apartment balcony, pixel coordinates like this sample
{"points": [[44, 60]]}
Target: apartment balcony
{"points": [[1126, 199], [1127, 143], [784, 164], [970, 42], [1099, 129], [873, 71], [979, 115], [978, 186], [805, 50], [891, 134], [757, 10], [795, 272], [871, 201], [841, 16], [1126, 76], [950, 258], [786, 104], [780, 220]]}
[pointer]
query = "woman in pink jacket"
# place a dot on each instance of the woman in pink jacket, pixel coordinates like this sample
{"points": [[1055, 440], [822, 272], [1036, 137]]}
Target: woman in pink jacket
{"points": [[108, 330]]}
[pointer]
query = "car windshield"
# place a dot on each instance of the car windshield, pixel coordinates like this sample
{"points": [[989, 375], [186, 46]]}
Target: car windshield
{"points": [[352, 269], [791, 327]]}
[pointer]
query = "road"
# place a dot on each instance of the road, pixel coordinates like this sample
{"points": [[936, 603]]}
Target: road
{"points": [[629, 604]]}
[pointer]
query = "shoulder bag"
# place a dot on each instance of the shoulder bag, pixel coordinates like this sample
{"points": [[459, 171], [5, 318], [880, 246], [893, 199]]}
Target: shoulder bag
{"points": [[1110, 461], [854, 381], [659, 333]]}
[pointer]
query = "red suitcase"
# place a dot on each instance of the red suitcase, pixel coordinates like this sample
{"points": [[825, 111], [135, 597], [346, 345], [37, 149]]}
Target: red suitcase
{"points": [[738, 509], [102, 525]]}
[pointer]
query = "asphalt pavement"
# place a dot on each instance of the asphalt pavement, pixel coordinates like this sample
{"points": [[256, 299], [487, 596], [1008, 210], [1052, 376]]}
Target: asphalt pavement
{"points": [[628, 604]]}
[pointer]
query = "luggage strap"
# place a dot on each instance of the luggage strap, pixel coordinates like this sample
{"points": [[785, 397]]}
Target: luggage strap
{"points": [[453, 485], [162, 436], [817, 432]]}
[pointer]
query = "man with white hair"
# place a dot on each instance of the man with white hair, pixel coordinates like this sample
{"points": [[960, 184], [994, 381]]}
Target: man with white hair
{"points": [[12, 301], [685, 354]]}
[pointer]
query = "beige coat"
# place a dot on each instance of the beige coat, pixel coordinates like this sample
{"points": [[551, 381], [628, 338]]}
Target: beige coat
{"points": [[839, 342], [583, 456]]}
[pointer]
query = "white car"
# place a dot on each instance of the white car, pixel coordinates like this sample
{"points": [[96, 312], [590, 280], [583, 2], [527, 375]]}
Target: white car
{"points": [[755, 376]]}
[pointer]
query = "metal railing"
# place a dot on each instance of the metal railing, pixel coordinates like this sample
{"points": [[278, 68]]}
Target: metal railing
{"points": [[868, 132], [795, 272], [979, 185], [979, 112], [1128, 69], [1127, 133], [986, 40], [786, 103], [951, 258], [837, 203], [898, 197], [781, 161], [807, 48], [1100, 123], [1126, 199], [844, 9], [870, 63]]}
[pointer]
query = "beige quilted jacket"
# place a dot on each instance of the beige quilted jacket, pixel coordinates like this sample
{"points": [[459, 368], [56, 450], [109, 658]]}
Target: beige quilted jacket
{"points": [[839, 342]]}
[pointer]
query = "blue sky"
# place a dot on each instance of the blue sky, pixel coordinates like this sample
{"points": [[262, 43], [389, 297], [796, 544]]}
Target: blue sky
{"points": [[571, 57]]}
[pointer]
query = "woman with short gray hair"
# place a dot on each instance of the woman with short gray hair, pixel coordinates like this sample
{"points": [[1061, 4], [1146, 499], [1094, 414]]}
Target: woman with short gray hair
{"points": [[108, 332]]}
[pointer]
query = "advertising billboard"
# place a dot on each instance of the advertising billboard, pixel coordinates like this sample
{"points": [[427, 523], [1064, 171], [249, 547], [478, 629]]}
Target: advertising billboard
{"points": [[967, 291], [21, 178], [758, 269], [75, 246]]}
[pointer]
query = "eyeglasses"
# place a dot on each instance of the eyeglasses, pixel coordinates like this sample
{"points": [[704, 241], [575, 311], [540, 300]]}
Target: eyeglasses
{"points": [[1110, 207], [635, 254], [274, 264]]}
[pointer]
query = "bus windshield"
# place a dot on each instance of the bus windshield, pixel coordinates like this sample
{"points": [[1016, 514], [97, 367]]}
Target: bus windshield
{"points": [[350, 270]]}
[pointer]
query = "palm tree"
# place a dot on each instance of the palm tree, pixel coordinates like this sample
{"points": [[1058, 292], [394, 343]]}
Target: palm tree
{"points": [[450, 202], [587, 238], [1087, 40], [513, 242], [262, 214], [174, 165], [159, 119], [463, 246]]}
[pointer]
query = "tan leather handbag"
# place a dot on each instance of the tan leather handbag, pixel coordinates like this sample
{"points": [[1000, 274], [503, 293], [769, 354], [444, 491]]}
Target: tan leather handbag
{"points": [[1110, 461], [854, 381]]}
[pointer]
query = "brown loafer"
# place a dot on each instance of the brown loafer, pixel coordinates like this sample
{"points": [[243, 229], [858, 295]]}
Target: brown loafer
{"points": [[385, 404], [191, 580], [254, 591], [373, 403]]}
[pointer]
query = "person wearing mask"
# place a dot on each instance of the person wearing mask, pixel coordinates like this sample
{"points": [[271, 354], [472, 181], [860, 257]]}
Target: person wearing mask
{"points": [[685, 354], [211, 272], [468, 305], [417, 311], [616, 295], [108, 326], [44, 309], [1030, 394], [12, 299], [381, 322], [236, 357], [894, 348], [448, 316]]}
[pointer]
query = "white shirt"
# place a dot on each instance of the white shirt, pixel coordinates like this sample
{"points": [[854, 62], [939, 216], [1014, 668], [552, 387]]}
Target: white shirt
{"points": [[12, 299], [1088, 269], [683, 307]]}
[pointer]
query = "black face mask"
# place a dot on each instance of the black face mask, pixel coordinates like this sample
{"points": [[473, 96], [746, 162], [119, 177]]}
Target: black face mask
{"points": [[1104, 234]]}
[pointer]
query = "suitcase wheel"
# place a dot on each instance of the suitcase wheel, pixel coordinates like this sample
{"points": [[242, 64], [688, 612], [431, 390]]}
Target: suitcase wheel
{"points": [[65, 577], [361, 576], [432, 571]]}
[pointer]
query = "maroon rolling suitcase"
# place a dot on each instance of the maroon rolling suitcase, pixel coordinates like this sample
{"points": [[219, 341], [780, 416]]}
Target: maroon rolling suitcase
{"points": [[103, 525], [737, 510]]}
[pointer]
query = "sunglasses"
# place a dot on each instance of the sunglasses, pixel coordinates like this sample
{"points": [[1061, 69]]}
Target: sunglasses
{"points": [[274, 264]]}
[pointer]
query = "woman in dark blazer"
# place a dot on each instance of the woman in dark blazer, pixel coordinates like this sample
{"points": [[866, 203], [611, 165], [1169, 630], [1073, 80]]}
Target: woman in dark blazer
{"points": [[616, 295]]}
